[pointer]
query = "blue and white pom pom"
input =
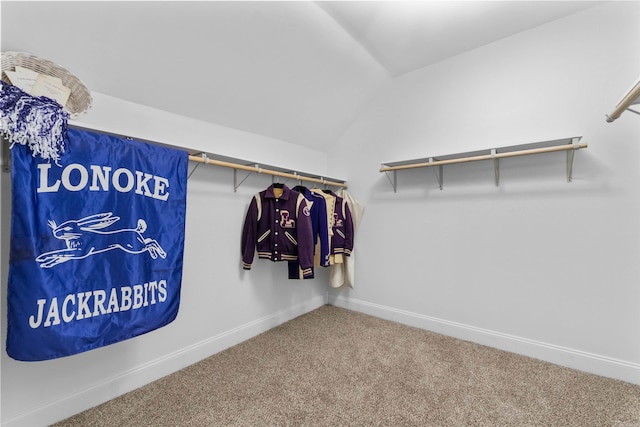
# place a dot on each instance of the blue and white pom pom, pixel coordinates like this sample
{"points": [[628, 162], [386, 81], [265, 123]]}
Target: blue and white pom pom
{"points": [[38, 122]]}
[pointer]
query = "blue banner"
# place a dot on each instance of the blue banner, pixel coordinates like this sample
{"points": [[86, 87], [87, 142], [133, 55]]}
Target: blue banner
{"points": [[97, 243]]}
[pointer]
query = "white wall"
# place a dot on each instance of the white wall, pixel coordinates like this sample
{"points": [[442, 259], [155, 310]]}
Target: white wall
{"points": [[537, 265], [221, 304]]}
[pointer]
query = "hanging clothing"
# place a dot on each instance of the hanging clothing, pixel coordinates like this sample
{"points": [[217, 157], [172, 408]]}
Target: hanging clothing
{"points": [[278, 225], [320, 234], [340, 225], [344, 273], [330, 205], [342, 241]]}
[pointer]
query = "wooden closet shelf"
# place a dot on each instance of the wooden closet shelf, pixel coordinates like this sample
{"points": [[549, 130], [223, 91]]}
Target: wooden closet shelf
{"points": [[237, 164], [570, 145]]}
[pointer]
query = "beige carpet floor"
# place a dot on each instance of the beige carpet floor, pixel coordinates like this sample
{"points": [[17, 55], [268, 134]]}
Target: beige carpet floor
{"points": [[336, 367]]}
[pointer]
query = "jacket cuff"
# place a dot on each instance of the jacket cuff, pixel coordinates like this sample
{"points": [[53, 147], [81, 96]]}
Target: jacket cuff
{"points": [[246, 266], [307, 272]]}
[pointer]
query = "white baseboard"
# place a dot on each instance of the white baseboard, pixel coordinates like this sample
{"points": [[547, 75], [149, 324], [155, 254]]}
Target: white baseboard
{"points": [[571, 358], [66, 406]]}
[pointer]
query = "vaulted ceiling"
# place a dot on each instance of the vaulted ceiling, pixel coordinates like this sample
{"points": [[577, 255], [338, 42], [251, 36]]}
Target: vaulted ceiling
{"points": [[297, 71]]}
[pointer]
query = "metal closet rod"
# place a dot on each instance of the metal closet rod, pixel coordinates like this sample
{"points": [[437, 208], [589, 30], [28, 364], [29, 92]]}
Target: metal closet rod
{"points": [[566, 147], [624, 104], [258, 169]]}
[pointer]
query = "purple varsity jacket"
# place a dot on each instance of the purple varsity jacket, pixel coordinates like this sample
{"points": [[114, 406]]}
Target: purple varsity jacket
{"points": [[279, 228], [342, 239]]}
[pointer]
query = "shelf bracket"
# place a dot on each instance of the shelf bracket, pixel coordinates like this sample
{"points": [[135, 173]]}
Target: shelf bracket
{"points": [[496, 166], [439, 173], [237, 184], [204, 157], [633, 111], [394, 181], [570, 156], [192, 171]]}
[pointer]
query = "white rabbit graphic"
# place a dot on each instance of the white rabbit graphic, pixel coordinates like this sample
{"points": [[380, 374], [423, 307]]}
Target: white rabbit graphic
{"points": [[84, 238]]}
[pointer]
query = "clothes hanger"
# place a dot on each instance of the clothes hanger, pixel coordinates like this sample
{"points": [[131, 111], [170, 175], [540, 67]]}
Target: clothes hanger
{"points": [[299, 187], [276, 182]]}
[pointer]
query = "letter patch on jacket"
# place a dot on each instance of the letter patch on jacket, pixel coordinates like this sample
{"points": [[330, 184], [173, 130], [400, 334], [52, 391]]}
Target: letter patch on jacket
{"points": [[285, 221]]}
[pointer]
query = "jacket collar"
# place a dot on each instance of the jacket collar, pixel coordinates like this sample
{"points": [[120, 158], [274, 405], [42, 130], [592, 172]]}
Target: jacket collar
{"points": [[285, 193]]}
